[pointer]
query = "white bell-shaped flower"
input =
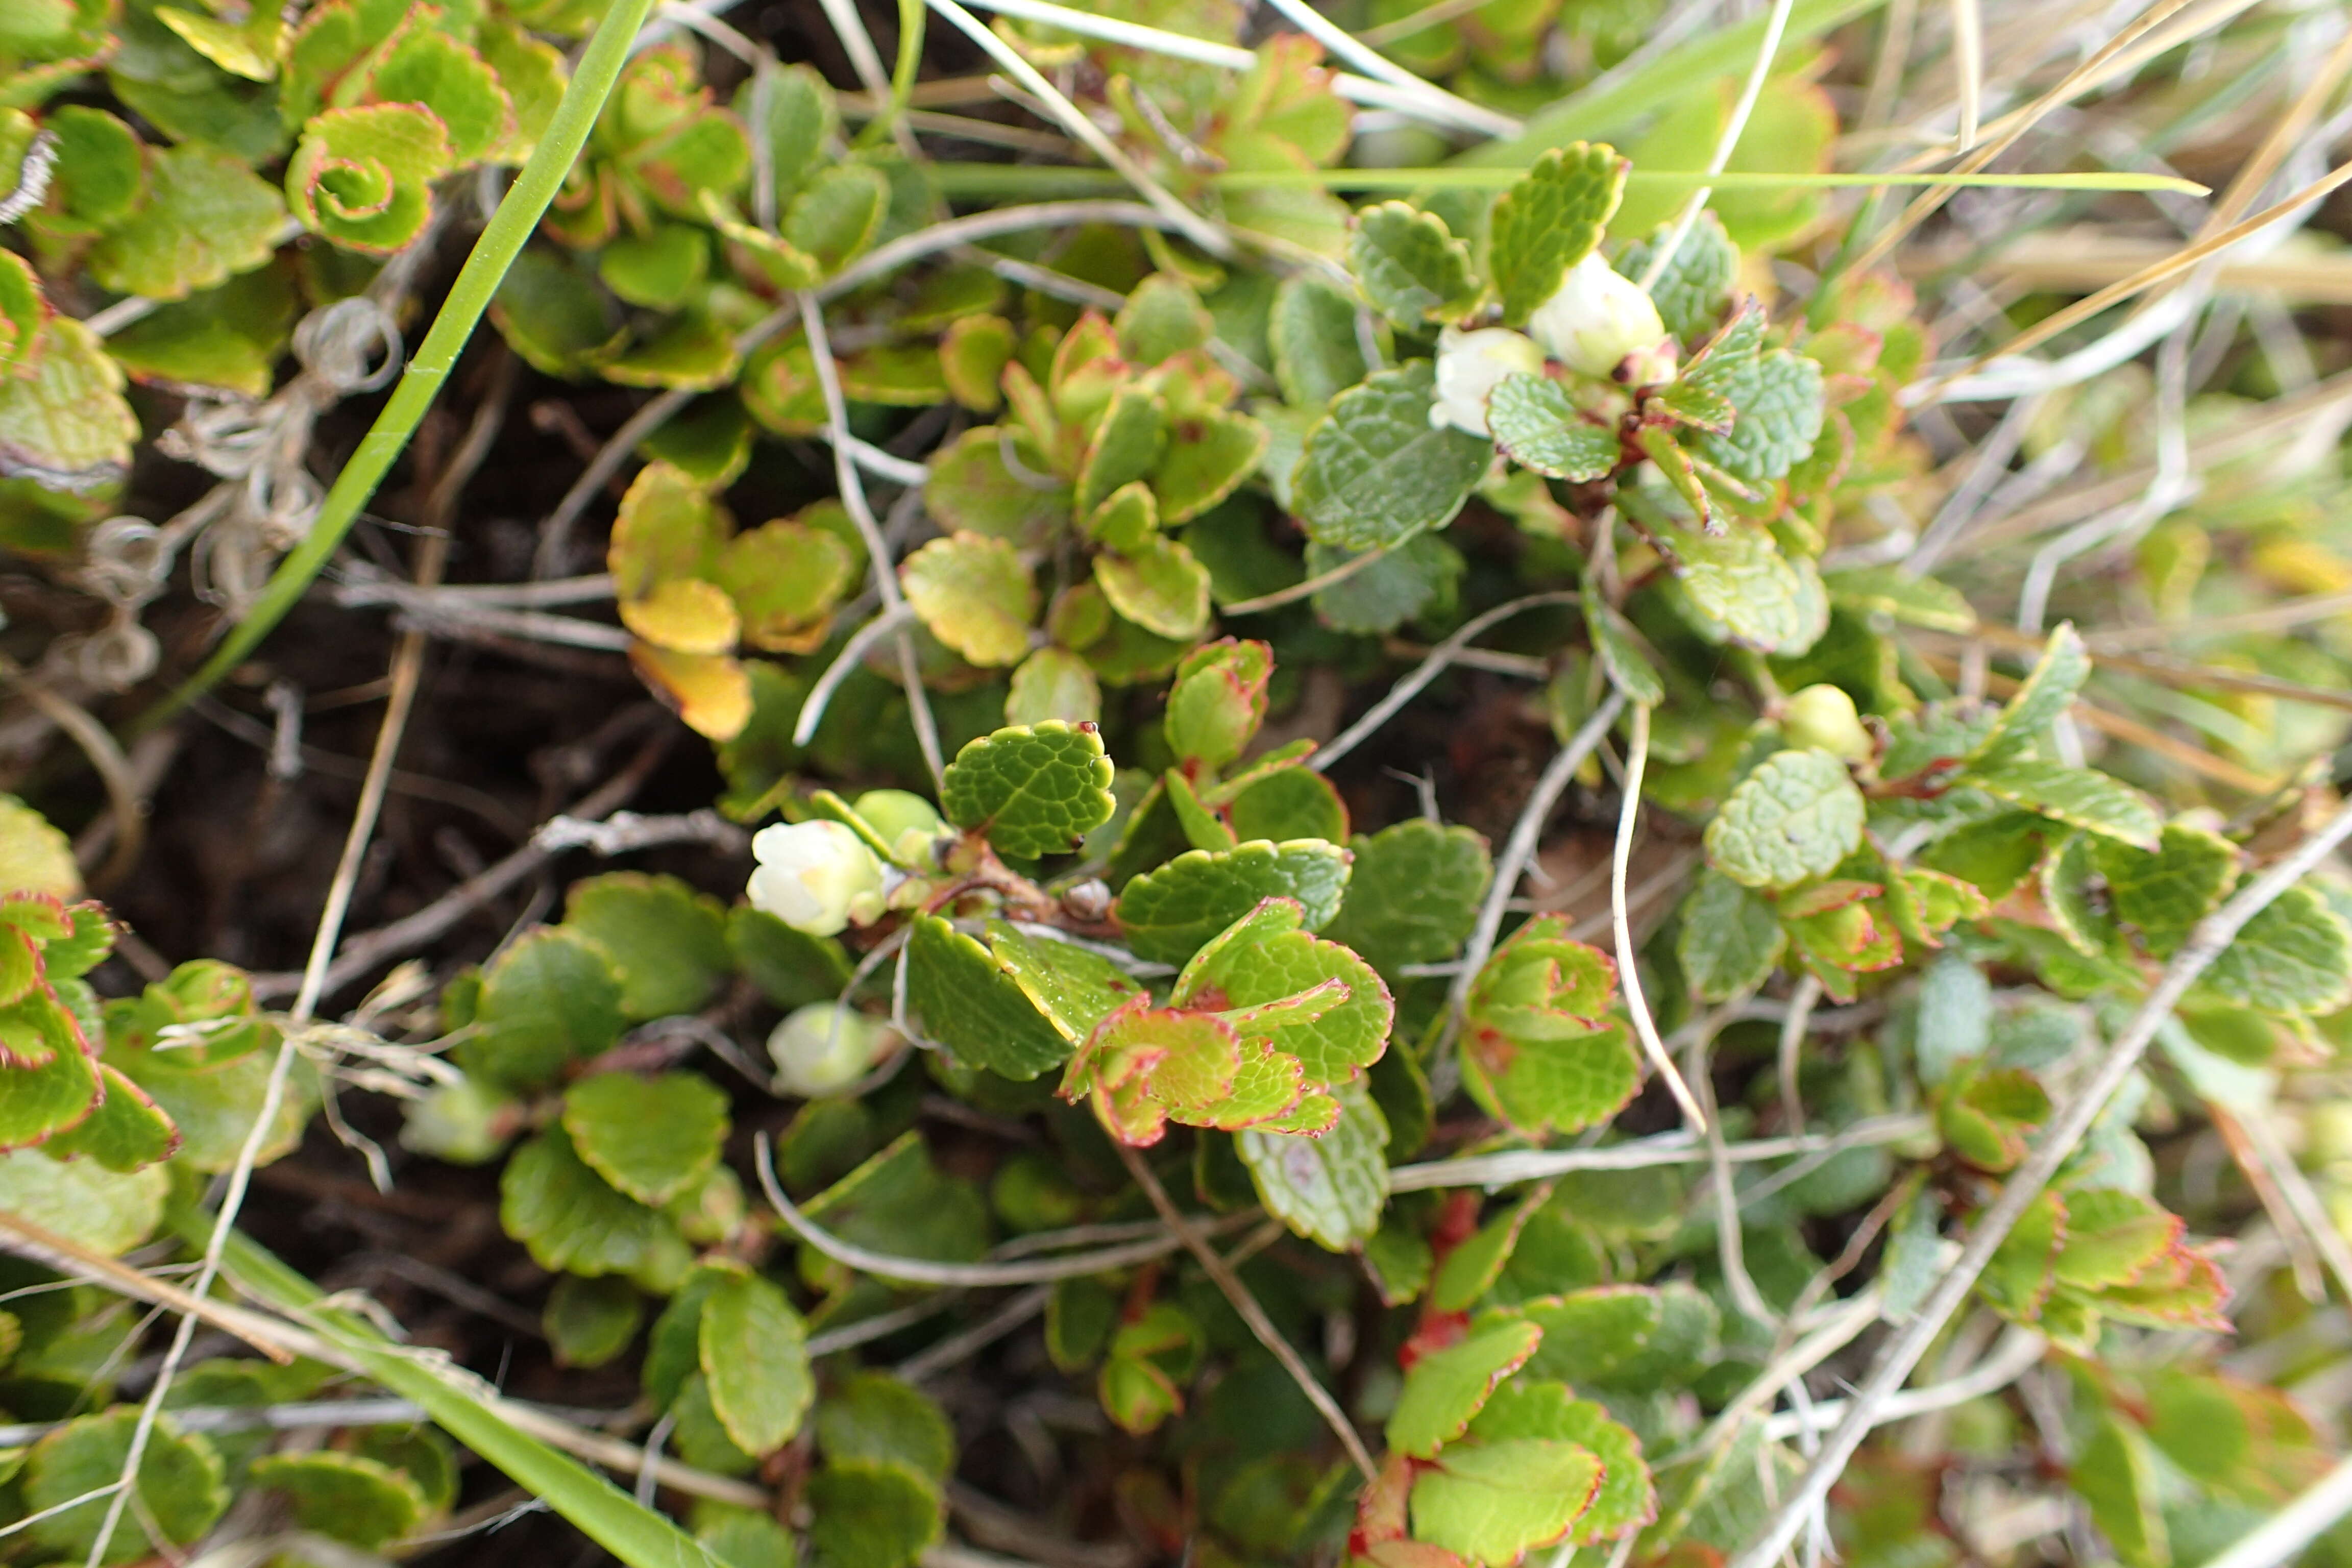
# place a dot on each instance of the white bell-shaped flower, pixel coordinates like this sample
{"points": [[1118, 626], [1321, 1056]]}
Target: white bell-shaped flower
{"points": [[1470, 365], [825, 1048], [1598, 321], [815, 877]]}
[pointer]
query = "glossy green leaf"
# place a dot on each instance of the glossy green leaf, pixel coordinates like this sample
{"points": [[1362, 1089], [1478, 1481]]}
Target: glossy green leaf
{"points": [[1550, 221], [967, 1002], [1171, 913], [1446, 1388], [652, 1137], [1410, 266], [1375, 472], [1795, 817]]}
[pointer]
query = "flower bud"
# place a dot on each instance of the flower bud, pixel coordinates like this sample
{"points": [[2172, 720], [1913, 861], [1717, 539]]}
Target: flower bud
{"points": [[1823, 717], [1603, 324], [1470, 365], [815, 877], [825, 1048], [906, 822], [465, 1122]]}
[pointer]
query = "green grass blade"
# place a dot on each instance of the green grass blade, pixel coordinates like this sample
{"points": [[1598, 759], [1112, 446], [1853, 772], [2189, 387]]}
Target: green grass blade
{"points": [[420, 381], [1030, 182], [1610, 109], [636, 1535]]}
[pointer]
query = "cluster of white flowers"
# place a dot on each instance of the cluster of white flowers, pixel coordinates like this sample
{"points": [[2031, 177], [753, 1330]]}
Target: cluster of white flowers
{"points": [[1596, 323]]}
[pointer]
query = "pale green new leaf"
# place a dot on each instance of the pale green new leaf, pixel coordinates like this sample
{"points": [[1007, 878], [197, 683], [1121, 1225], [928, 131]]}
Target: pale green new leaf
{"points": [[1409, 266], [1327, 1188], [1539, 426], [1489, 1503], [1550, 221], [754, 1352], [1446, 1388], [1794, 818], [2080, 797], [2048, 692]]}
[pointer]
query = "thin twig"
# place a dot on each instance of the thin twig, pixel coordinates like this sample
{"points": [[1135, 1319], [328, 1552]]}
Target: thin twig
{"points": [[1238, 1294], [2280, 1538], [1441, 657], [923, 1271], [1628, 970], [1517, 1165], [44, 1245], [845, 664], [1344, 46], [2067, 1130], [1518, 851], [125, 800], [877, 549], [1775, 26]]}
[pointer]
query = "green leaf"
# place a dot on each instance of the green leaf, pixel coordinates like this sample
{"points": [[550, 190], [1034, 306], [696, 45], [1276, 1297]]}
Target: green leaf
{"points": [[206, 217], [81, 1199], [1413, 895], [1985, 1115], [1162, 318], [1794, 818], [179, 1485], [802, 118], [1037, 789], [363, 177], [589, 1321], [348, 1498], [1627, 1500], [1289, 803], [2295, 956], [871, 1516], [1538, 426], [1911, 601], [1127, 445], [666, 942], [1263, 959], [1489, 1503], [228, 338], [2162, 895], [1444, 1389], [970, 1004], [2049, 691], [1376, 473], [51, 1078], [970, 490], [1401, 583], [1695, 288], [101, 171], [126, 1131], [1623, 1336], [1208, 456], [36, 858], [745, 1538], [974, 594], [657, 270], [754, 1352], [2079, 797], [1053, 683], [573, 1221], [1741, 581], [1410, 266], [838, 215], [1327, 1188], [1145, 1065], [1563, 1081], [550, 999], [1171, 913], [1955, 1026], [435, 68], [23, 309], [552, 313], [1218, 700], [652, 1137], [2115, 1472], [791, 969], [1160, 586], [872, 1418], [1731, 938], [66, 427], [1075, 989], [1550, 221], [1779, 396], [786, 578], [1312, 332]]}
